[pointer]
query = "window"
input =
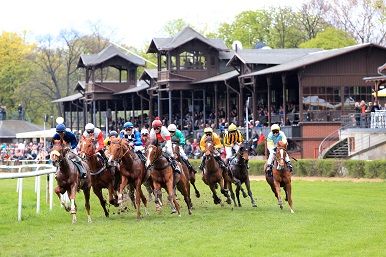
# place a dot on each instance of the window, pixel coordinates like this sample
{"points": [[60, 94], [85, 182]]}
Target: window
{"points": [[192, 60]]}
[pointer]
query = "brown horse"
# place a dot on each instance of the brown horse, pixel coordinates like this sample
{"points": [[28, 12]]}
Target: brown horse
{"points": [[132, 170], [239, 168], [163, 176], [281, 176], [190, 174], [68, 178], [214, 175], [101, 175]]}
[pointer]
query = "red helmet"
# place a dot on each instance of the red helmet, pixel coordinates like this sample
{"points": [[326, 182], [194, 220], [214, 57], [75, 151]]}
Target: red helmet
{"points": [[156, 124]]}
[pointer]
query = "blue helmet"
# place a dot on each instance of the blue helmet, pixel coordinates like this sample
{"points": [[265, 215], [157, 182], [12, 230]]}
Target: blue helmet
{"points": [[60, 128], [128, 125]]}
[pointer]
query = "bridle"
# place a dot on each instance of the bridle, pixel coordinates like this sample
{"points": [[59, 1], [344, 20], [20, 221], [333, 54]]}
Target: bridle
{"points": [[282, 151], [121, 149], [158, 154]]}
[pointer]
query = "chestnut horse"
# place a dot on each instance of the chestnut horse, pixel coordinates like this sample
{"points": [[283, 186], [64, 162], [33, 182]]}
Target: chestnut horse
{"points": [[68, 178], [132, 170], [239, 168], [281, 176], [163, 176], [214, 175], [190, 174], [101, 176]]}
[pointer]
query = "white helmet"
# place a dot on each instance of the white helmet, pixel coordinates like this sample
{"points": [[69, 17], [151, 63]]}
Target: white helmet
{"points": [[144, 131], [89, 126], [172, 128]]}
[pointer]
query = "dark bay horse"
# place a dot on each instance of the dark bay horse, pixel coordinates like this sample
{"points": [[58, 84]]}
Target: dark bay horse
{"points": [[68, 178], [101, 176], [132, 170], [213, 175], [163, 176], [281, 176], [190, 174], [239, 168]]}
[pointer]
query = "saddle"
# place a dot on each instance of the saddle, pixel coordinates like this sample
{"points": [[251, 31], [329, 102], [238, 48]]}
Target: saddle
{"points": [[79, 166]]}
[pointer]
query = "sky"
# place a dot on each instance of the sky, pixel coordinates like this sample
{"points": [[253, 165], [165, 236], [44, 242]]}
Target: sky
{"points": [[130, 22]]}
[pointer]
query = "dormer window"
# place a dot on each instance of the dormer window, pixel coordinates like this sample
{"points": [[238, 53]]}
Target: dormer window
{"points": [[193, 60]]}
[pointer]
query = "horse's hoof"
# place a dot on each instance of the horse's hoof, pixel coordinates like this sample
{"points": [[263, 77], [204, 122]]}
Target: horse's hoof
{"points": [[228, 201], [245, 195], [198, 194], [254, 205], [292, 211]]}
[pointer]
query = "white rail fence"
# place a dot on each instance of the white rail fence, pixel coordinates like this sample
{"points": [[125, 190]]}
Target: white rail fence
{"points": [[39, 170]]}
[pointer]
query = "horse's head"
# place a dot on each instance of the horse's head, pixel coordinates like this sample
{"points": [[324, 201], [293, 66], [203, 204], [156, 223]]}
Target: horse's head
{"points": [[118, 148], [87, 146], [58, 151], [209, 146], [281, 152], [153, 152], [243, 151], [176, 150]]}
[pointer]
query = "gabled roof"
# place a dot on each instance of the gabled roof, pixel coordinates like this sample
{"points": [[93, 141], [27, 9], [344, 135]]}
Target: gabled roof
{"points": [[9, 128], [141, 85], [151, 73], [382, 69], [108, 53], [270, 56], [184, 36], [311, 58], [69, 98], [220, 77]]}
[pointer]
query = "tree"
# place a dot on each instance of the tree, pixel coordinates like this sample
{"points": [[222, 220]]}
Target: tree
{"points": [[171, 28], [330, 38], [311, 17], [365, 20]]}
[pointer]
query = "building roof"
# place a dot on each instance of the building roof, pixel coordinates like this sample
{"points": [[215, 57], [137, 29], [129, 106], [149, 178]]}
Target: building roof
{"points": [[68, 98], [9, 128], [310, 58], [382, 69], [108, 53], [133, 89], [270, 56], [184, 36], [220, 77], [151, 73]]}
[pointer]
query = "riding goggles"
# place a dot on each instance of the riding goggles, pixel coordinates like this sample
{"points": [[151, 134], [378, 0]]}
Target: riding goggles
{"points": [[90, 131], [208, 133], [275, 131]]}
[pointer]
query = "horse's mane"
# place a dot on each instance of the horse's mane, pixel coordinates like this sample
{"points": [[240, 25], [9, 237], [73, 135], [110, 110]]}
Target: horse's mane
{"points": [[282, 144]]}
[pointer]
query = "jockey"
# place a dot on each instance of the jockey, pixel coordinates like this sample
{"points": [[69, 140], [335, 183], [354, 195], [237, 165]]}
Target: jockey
{"points": [[90, 131], [133, 136], [217, 145], [107, 141], [69, 139], [232, 141], [178, 136], [272, 139], [160, 134], [145, 137]]}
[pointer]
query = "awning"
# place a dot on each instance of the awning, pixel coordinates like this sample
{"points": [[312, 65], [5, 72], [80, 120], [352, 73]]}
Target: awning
{"points": [[69, 98], [221, 77], [133, 90], [381, 93], [48, 133]]}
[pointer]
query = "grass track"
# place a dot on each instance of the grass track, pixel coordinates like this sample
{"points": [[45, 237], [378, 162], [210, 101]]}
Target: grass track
{"points": [[331, 219]]}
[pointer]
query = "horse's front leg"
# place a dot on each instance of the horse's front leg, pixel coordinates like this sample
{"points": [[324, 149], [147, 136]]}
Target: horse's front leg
{"points": [[277, 193], [288, 190], [72, 195], [113, 197], [58, 192], [86, 193], [157, 196], [224, 190], [138, 193], [238, 187], [98, 192], [171, 195], [216, 199], [123, 184], [248, 185]]}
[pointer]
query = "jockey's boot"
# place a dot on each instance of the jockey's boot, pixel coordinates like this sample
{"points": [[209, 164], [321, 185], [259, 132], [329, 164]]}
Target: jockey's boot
{"points": [[220, 162], [141, 156], [269, 170], [78, 160], [202, 163], [190, 167], [247, 162], [289, 164], [174, 164], [104, 157]]}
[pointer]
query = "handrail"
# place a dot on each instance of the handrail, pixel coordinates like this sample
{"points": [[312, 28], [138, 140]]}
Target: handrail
{"points": [[329, 137]]}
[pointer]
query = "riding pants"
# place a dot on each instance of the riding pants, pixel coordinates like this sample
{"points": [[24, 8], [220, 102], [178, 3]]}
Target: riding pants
{"points": [[272, 155], [228, 150]]}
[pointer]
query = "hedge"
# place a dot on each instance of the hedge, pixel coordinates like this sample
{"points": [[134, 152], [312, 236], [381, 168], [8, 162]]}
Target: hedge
{"points": [[325, 168]]}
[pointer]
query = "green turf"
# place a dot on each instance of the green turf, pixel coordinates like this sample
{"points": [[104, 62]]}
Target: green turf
{"points": [[331, 219]]}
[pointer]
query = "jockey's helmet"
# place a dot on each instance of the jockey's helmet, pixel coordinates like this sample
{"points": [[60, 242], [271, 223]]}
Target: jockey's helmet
{"points": [[144, 132], [113, 133], [232, 128], [208, 130], [128, 125], [89, 128], [172, 128], [275, 128], [60, 128], [156, 124]]}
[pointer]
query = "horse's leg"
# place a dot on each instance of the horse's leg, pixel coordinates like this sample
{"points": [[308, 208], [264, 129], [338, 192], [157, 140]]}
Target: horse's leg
{"points": [[216, 199], [288, 190], [182, 186], [72, 195], [171, 195], [157, 195], [248, 185], [193, 181], [98, 193], [123, 184], [138, 192], [238, 187], [277, 193], [58, 191], [229, 186], [149, 190], [144, 201], [113, 197], [245, 195], [86, 193]]}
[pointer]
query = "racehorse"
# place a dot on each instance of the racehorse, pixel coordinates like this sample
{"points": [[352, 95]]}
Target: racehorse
{"points": [[68, 178], [132, 170], [190, 174], [281, 176], [101, 176], [239, 168], [214, 175], [163, 176]]}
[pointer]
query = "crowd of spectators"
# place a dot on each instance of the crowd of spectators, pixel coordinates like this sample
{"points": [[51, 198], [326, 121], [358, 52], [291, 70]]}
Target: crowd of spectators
{"points": [[23, 151]]}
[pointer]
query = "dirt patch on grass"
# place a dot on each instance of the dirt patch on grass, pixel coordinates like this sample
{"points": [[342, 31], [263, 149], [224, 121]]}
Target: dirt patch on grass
{"points": [[356, 180]]}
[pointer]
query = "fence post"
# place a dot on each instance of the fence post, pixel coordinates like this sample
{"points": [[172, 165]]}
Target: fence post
{"points": [[51, 189], [38, 194], [19, 203]]}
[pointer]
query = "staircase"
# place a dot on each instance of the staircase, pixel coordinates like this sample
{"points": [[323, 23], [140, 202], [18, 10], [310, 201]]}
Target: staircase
{"points": [[337, 150]]}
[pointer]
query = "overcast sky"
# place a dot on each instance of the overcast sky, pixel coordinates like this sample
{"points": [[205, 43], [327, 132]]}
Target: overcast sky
{"points": [[131, 22]]}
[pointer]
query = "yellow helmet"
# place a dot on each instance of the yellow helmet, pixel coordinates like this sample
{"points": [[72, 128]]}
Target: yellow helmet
{"points": [[232, 127], [275, 127], [208, 130]]}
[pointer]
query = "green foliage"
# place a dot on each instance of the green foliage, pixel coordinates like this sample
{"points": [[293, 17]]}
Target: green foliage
{"points": [[172, 27], [260, 149], [327, 222], [330, 38], [355, 168]]}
